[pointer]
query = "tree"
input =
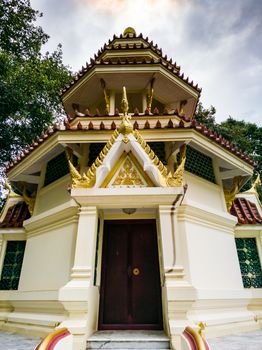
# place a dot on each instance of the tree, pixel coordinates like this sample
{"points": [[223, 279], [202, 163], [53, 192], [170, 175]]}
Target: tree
{"points": [[247, 136], [206, 116], [29, 81]]}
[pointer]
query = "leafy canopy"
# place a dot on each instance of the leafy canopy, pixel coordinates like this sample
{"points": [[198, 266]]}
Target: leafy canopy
{"points": [[247, 136], [29, 80]]}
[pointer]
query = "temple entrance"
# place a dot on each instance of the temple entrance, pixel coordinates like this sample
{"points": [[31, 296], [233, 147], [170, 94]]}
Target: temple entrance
{"points": [[130, 281]]}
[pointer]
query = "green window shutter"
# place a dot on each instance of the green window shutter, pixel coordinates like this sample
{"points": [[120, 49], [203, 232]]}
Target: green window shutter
{"points": [[12, 265], [249, 261], [94, 150], [57, 167], [159, 149], [199, 164]]}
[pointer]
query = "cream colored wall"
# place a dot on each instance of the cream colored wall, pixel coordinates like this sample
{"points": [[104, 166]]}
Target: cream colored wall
{"points": [[52, 195], [48, 259], [210, 252], [204, 192], [212, 258]]}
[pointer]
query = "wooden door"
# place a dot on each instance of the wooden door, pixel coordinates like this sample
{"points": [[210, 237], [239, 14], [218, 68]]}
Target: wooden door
{"points": [[130, 284]]}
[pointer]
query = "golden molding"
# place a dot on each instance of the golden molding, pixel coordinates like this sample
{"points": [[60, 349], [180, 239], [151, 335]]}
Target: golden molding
{"points": [[171, 180], [88, 179]]}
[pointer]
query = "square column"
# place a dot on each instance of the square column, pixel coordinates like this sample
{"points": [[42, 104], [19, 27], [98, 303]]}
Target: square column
{"points": [[79, 297], [178, 293]]}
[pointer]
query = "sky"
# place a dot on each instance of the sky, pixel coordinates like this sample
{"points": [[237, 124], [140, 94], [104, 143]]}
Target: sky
{"points": [[217, 43]]}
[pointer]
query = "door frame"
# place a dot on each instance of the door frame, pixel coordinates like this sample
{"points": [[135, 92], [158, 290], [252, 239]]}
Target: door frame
{"points": [[101, 325]]}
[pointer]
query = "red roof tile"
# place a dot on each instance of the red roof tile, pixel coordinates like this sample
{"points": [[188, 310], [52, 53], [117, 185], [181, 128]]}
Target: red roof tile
{"points": [[246, 212], [129, 62], [15, 216], [127, 46], [184, 123]]}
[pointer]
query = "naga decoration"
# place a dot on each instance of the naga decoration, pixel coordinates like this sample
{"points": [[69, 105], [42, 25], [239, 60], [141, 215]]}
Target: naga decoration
{"points": [[230, 195], [172, 180], [255, 184], [11, 193], [88, 179]]}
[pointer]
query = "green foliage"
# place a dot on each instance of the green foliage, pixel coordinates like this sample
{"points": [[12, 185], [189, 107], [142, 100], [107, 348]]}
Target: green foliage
{"points": [[29, 81], [18, 33], [206, 116], [247, 136]]}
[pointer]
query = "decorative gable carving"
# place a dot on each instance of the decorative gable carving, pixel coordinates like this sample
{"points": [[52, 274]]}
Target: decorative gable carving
{"points": [[127, 173]]}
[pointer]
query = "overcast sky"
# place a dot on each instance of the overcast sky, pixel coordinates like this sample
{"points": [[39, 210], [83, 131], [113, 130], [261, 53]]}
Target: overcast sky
{"points": [[217, 43]]}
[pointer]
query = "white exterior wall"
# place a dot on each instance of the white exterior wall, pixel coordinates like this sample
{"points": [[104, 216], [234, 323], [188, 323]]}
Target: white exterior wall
{"points": [[48, 259], [212, 257], [204, 192], [52, 195]]}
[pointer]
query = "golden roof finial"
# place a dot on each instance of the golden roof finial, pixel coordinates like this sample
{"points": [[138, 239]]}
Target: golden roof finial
{"points": [[255, 184], [124, 102], [125, 127], [129, 30]]}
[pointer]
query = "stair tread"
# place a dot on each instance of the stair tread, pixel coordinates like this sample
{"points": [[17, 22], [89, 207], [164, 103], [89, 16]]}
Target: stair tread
{"points": [[128, 336], [128, 340]]}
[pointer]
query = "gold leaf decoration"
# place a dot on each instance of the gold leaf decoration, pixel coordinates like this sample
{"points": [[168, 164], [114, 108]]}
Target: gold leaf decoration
{"points": [[128, 175]]}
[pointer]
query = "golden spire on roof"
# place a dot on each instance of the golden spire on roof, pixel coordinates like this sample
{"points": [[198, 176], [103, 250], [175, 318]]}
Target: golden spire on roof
{"points": [[255, 184], [129, 30], [125, 127]]}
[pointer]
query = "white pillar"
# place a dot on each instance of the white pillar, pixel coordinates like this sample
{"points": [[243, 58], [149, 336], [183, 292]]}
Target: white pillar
{"points": [[85, 244], [171, 243], [78, 295], [178, 293]]}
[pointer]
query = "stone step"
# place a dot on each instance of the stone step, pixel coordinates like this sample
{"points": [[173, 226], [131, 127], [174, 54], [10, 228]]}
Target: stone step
{"points": [[128, 340]]}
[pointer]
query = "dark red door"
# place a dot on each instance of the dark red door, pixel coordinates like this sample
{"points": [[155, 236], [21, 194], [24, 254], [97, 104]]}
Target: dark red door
{"points": [[130, 285]]}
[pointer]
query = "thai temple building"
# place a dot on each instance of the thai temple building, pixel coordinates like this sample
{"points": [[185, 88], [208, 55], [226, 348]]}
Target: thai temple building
{"points": [[128, 215]]}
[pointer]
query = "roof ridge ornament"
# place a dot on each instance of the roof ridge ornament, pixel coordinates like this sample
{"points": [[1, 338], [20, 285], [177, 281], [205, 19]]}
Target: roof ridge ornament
{"points": [[255, 184], [125, 127], [88, 179], [169, 179], [129, 31]]}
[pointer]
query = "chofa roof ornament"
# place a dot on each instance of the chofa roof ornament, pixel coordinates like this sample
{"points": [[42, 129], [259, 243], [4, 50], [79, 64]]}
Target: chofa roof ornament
{"points": [[255, 184]]}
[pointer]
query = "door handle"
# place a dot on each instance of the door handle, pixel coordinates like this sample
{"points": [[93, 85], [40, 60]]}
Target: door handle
{"points": [[136, 271]]}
